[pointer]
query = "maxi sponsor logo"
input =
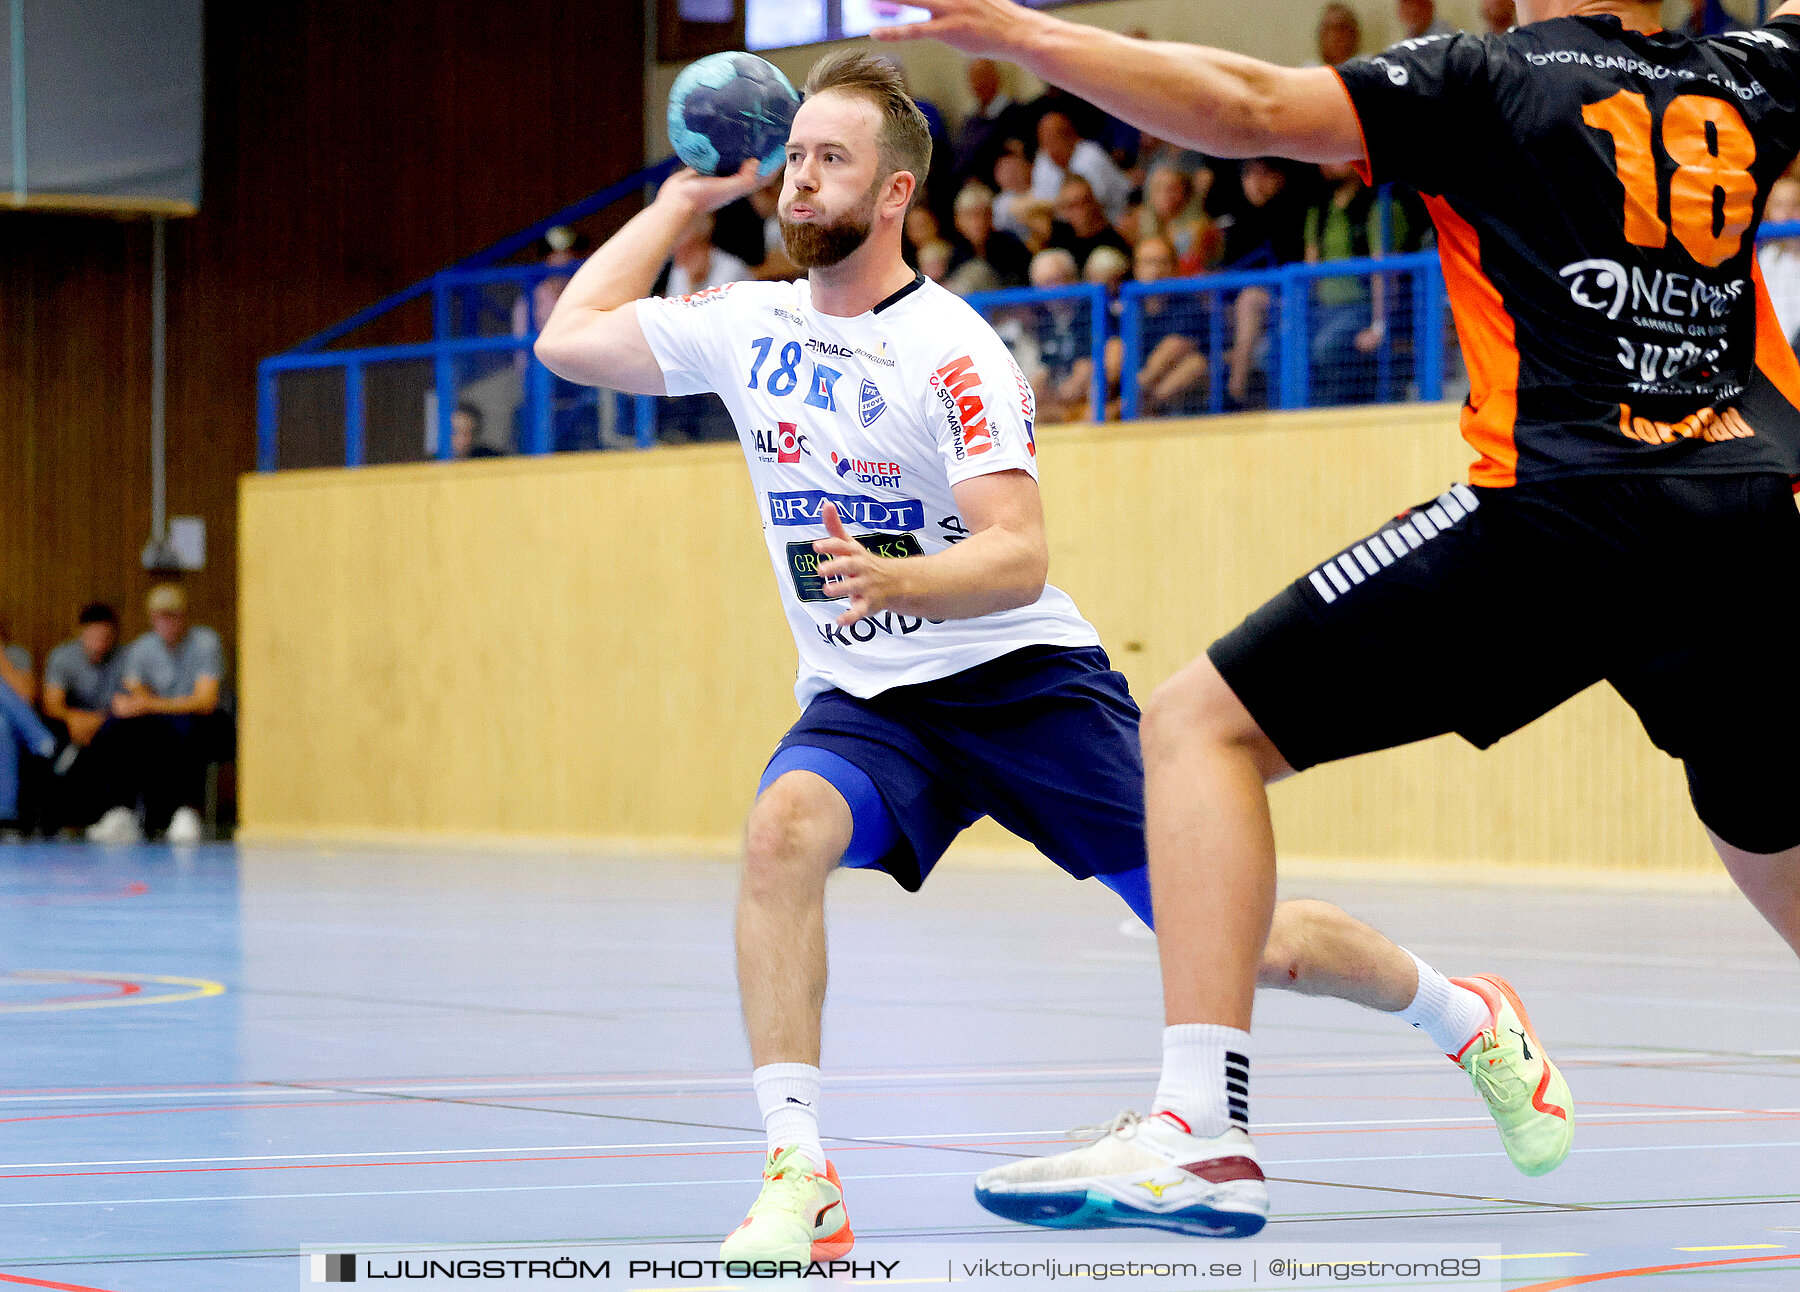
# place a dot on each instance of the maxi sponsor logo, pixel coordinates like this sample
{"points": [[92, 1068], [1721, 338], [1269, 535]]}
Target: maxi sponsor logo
{"points": [[955, 384], [807, 507]]}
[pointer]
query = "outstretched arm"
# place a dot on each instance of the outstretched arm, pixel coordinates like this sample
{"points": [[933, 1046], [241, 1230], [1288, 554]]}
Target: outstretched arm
{"points": [[1221, 103], [592, 336]]}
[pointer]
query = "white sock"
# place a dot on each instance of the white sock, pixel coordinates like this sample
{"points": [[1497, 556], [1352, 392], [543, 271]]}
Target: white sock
{"points": [[788, 1094], [1205, 1077], [1448, 1014]]}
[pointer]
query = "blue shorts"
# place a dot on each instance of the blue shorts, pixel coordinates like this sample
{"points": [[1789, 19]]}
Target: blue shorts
{"points": [[1044, 740]]}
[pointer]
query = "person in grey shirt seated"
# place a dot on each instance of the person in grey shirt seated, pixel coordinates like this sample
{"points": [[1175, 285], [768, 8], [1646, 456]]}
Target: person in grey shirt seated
{"points": [[81, 676], [167, 726]]}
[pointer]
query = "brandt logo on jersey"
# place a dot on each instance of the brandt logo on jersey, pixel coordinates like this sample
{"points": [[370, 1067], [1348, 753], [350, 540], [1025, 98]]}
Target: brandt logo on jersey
{"points": [[955, 382], [824, 379], [872, 405], [807, 507]]}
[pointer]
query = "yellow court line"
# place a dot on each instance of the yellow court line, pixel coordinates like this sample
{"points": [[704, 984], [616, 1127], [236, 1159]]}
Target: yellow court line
{"points": [[1532, 1256], [1730, 1247], [197, 987]]}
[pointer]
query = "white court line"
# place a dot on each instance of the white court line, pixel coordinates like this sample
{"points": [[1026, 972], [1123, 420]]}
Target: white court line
{"points": [[898, 1175], [1264, 1070], [899, 1139]]}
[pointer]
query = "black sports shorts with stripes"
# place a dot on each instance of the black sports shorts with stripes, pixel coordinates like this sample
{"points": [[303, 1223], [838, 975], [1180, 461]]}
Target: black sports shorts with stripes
{"points": [[1483, 609]]}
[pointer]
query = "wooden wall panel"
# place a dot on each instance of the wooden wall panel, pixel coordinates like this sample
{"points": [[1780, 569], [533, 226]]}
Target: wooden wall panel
{"points": [[593, 647], [351, 148]]}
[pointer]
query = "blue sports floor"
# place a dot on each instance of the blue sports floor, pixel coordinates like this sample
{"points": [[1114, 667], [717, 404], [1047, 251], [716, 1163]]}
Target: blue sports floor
{"points": [[469, 1048]]}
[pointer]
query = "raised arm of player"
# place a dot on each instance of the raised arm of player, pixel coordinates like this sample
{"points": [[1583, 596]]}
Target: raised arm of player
{"points": [[592, 336], [1210, 99], [1002, 564]]}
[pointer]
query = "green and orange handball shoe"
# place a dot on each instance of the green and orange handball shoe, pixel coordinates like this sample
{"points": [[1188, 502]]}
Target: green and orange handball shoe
{"points": [[798, 1216], [1528, 1097]]}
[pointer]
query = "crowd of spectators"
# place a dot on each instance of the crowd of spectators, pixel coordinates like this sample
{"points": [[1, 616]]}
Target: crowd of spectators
{"points": [[1051, 192], [117, 739]]}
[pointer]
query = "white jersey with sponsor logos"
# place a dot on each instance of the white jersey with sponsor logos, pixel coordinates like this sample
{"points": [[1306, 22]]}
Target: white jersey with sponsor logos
{"points": [[880, 414]]}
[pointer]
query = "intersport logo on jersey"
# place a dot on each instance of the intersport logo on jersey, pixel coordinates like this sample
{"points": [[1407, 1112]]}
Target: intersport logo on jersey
{"points": [[955, 384], [807, 507]]}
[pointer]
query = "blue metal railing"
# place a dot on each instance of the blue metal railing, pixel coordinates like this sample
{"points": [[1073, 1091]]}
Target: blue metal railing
{"points": [[1033, 299], [1414, 295]]}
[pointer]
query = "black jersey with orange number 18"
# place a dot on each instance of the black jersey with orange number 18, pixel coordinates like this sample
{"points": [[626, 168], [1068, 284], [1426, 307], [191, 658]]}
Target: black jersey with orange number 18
{"points": [[1596, 193]]}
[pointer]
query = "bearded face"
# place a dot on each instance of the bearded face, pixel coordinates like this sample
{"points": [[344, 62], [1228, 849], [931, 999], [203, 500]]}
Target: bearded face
{"points": [[823, 241]]}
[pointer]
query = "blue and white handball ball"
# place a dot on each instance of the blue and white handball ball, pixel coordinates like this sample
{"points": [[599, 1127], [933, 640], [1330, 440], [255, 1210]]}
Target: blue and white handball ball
{"points": [[729, 108]]}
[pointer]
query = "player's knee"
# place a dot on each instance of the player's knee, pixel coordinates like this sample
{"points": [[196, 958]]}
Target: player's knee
{"points": [[1296, 930], [789, 833], [1194, 705], [1753, 812]]}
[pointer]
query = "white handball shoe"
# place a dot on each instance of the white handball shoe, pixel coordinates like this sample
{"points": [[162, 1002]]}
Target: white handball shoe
{"points": [[119, 825], [185, 827], [1145, 1172]]}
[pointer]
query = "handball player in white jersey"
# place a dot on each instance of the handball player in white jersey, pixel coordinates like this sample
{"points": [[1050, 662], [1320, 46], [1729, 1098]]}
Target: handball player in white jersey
{"points": [[889, 439]]}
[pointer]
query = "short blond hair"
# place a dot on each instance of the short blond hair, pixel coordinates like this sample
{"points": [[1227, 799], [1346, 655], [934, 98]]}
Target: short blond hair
{"points": [[904, 138]]}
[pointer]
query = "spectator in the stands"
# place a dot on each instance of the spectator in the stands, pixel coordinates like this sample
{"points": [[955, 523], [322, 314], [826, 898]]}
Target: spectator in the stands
{"points": [[1779, 258], [1709, 18], [1063, 376], [1340, 34], [1004, 254], [1081, 223], [1012, 182], [1349, 319], [1499, 15], [696, 264], [1171, 365], [1174, 210], [1107, 267], [81, 676], [1420, 18], [934, 260], [574, 421], [920, 229], [168, 726], [16, 719], [1266, 231], [1041, 228], [465, 434], [1064, 155], [560, 246], [995, 118]]}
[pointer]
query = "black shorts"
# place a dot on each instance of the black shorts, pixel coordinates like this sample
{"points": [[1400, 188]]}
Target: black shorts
{"points": [[1484, 609]]}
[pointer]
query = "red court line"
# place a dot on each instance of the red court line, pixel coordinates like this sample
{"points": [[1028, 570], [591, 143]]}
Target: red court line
{"points": [[125, 988], [136, 888], [1575, 1280], [211, 1108], [40, 1283]]}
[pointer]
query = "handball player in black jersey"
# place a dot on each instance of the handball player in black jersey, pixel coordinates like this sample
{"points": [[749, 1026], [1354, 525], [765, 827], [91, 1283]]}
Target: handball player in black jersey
{"points": [[1596, 184]]}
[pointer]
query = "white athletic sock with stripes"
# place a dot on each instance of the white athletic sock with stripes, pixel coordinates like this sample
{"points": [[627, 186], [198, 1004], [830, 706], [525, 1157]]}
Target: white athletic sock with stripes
{"points": [[1448, 1014], [788, 1094], [1205, 1077]]}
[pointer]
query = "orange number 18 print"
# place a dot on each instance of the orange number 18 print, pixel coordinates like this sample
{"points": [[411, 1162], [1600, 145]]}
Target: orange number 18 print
{"points": [[1711, 194]]}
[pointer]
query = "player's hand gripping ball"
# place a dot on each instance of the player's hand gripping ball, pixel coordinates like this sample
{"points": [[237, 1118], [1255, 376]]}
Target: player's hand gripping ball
{"points": [[730, 108]]}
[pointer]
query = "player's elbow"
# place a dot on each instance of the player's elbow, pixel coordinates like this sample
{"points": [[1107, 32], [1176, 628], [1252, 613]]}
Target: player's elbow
{"points": [[1033, 574], [553, 350]]}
